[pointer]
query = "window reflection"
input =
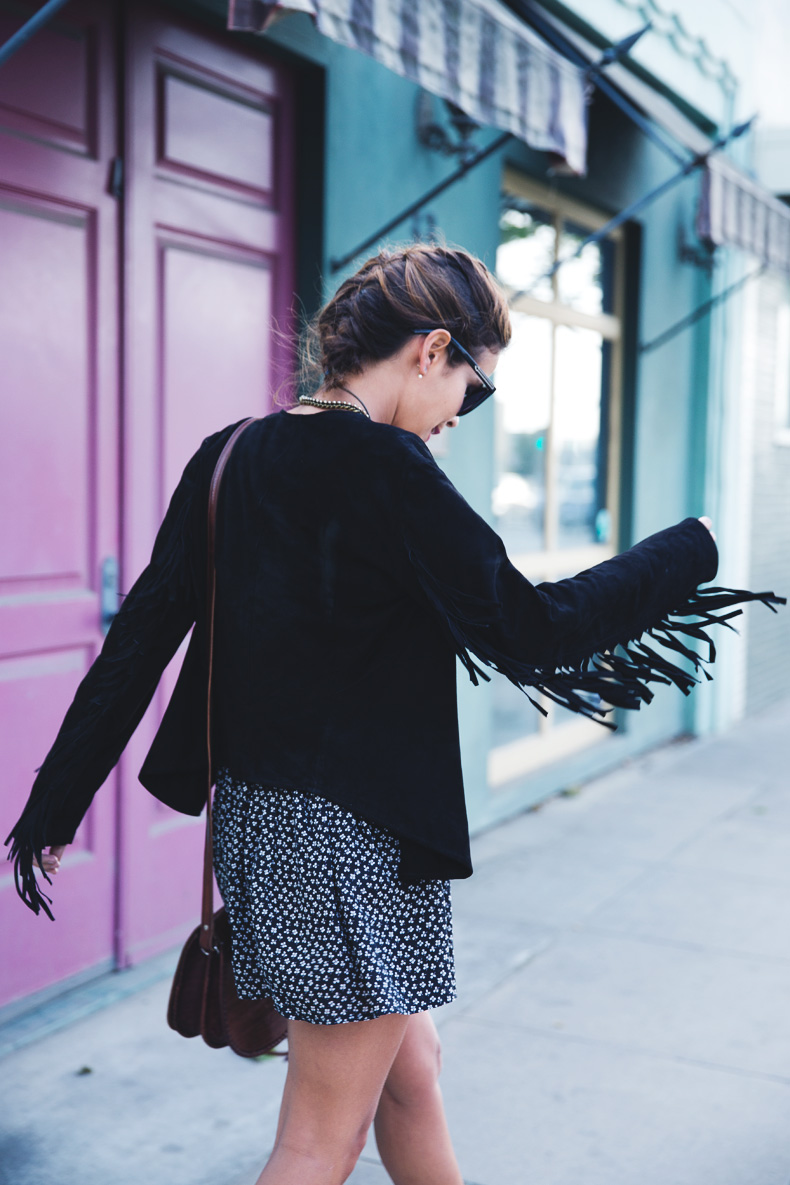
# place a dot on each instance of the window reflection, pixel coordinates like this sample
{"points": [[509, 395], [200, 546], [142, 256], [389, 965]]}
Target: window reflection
{"points": [[526, 249], [513, 715], [584, 283], [550, 492], [523, 412], [579, 445]]}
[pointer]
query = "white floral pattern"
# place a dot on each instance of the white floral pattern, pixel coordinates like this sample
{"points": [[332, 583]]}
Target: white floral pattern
{"points": [[320, 920]]}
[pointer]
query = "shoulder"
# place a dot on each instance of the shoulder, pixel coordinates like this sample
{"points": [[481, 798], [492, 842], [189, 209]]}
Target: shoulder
{"points": [[402, 449], [200, 465], [362, 448], [212, 446], [401, 463]]}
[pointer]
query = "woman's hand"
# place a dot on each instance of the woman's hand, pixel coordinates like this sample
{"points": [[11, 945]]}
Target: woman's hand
{"points": [[51, 859], [706, 522]]}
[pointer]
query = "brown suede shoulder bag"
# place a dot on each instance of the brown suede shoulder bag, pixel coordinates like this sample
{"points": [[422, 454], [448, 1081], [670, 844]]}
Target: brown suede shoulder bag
{"points": [[203, 999]]}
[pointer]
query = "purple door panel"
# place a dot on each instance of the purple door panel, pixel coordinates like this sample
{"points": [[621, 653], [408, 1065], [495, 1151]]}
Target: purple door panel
{"points": [[209, 272], [201, 264], [58, 457]]}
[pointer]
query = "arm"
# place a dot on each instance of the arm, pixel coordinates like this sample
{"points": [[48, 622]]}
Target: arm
{"points": [[574, 638], [110, 701]]}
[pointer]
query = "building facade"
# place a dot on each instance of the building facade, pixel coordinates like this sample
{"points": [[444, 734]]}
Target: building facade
{"points": [[166, 187]]}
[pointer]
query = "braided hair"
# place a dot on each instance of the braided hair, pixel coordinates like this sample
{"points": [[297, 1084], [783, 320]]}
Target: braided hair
{"points": [[375, 312]]}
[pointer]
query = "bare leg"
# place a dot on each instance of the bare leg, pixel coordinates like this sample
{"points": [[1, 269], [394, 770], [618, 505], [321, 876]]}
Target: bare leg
{"points": [[411, 1129], [335, 1077]]}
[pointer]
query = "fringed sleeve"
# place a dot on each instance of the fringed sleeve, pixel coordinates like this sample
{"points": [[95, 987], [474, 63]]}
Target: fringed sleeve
{"points": [[112, 698], [580, 641]]}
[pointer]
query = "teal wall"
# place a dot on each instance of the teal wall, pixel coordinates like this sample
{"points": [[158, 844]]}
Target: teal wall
{"points": [[374, 166]]}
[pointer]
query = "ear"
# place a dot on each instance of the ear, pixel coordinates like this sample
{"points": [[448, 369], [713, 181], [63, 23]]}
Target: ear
{"points": [[431, 348]]}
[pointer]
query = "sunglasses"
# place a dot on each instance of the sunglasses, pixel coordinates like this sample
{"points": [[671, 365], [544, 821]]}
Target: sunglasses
{"points": [[474, 395]]}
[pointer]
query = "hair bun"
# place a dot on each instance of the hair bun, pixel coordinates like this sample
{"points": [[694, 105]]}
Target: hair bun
{"points": [[374, 312]]}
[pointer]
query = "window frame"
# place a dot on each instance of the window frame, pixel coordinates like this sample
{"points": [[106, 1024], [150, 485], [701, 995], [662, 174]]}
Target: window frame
{"points": [[517, 758]]}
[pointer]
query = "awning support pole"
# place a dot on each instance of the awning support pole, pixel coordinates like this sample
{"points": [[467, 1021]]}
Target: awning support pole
{"points": [[701, 311], [555, 38], [29, 29], [647, 199], [335, 265], [593, 69], [596, 70]]}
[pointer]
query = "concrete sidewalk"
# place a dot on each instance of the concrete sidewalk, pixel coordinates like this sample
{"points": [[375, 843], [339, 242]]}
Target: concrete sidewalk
{"points": [[623, 1017]]}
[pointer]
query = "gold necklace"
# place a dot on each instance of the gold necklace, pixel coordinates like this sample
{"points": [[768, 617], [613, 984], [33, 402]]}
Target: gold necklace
{"points": [[338, 403]]}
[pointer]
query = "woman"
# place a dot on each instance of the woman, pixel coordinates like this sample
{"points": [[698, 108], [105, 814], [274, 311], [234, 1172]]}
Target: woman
{"points": [[350, 575]]}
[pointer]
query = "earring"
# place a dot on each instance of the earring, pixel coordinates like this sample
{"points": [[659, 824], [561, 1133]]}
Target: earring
{"points": [[419, 376]]}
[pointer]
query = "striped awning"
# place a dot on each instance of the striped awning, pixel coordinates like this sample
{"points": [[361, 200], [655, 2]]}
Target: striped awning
{"points": [[736, 211], [475, 53]]}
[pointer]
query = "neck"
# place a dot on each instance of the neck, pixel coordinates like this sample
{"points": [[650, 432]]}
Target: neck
{"points": [[356, 399], [377, 388]]}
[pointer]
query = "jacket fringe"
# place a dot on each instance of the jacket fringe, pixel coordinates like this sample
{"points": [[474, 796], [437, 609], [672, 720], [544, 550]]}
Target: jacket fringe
{"points": [[27, 845], [618, 672]]}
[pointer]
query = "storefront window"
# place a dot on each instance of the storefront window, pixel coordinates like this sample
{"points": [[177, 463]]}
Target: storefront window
{"points": [[527, 248], [523, 413], [585, 282], [554, 494], [579, 446]]}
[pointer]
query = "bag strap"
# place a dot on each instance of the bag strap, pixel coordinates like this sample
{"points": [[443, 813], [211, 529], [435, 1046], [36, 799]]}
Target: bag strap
{"points": [[207, 914]]}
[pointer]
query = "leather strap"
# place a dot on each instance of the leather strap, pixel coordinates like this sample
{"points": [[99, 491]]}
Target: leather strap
{"points": [[207, 914]]}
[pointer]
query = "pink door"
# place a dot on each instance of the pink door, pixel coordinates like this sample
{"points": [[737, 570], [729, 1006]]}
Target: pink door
{"points": [[58, 452], [208, 278], [170, 292]]}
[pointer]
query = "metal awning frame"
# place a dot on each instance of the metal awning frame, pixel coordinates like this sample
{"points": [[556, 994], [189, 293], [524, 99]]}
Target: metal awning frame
{"points": [[701, 311], [554, 37], [466, 166], [592, 70]]}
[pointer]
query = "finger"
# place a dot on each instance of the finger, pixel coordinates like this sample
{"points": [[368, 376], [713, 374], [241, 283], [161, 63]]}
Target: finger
{"points": [[707, 522], [50, 861]]}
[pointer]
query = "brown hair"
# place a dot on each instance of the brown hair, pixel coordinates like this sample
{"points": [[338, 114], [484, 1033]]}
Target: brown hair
{"points": [[374, 312]]}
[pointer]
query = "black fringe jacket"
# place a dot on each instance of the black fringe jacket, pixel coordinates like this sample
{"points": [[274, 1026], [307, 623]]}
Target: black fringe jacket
{"points": [[351, 574]]}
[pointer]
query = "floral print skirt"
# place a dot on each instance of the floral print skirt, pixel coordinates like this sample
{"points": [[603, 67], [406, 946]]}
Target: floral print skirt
{"points": [[320, 920]]}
